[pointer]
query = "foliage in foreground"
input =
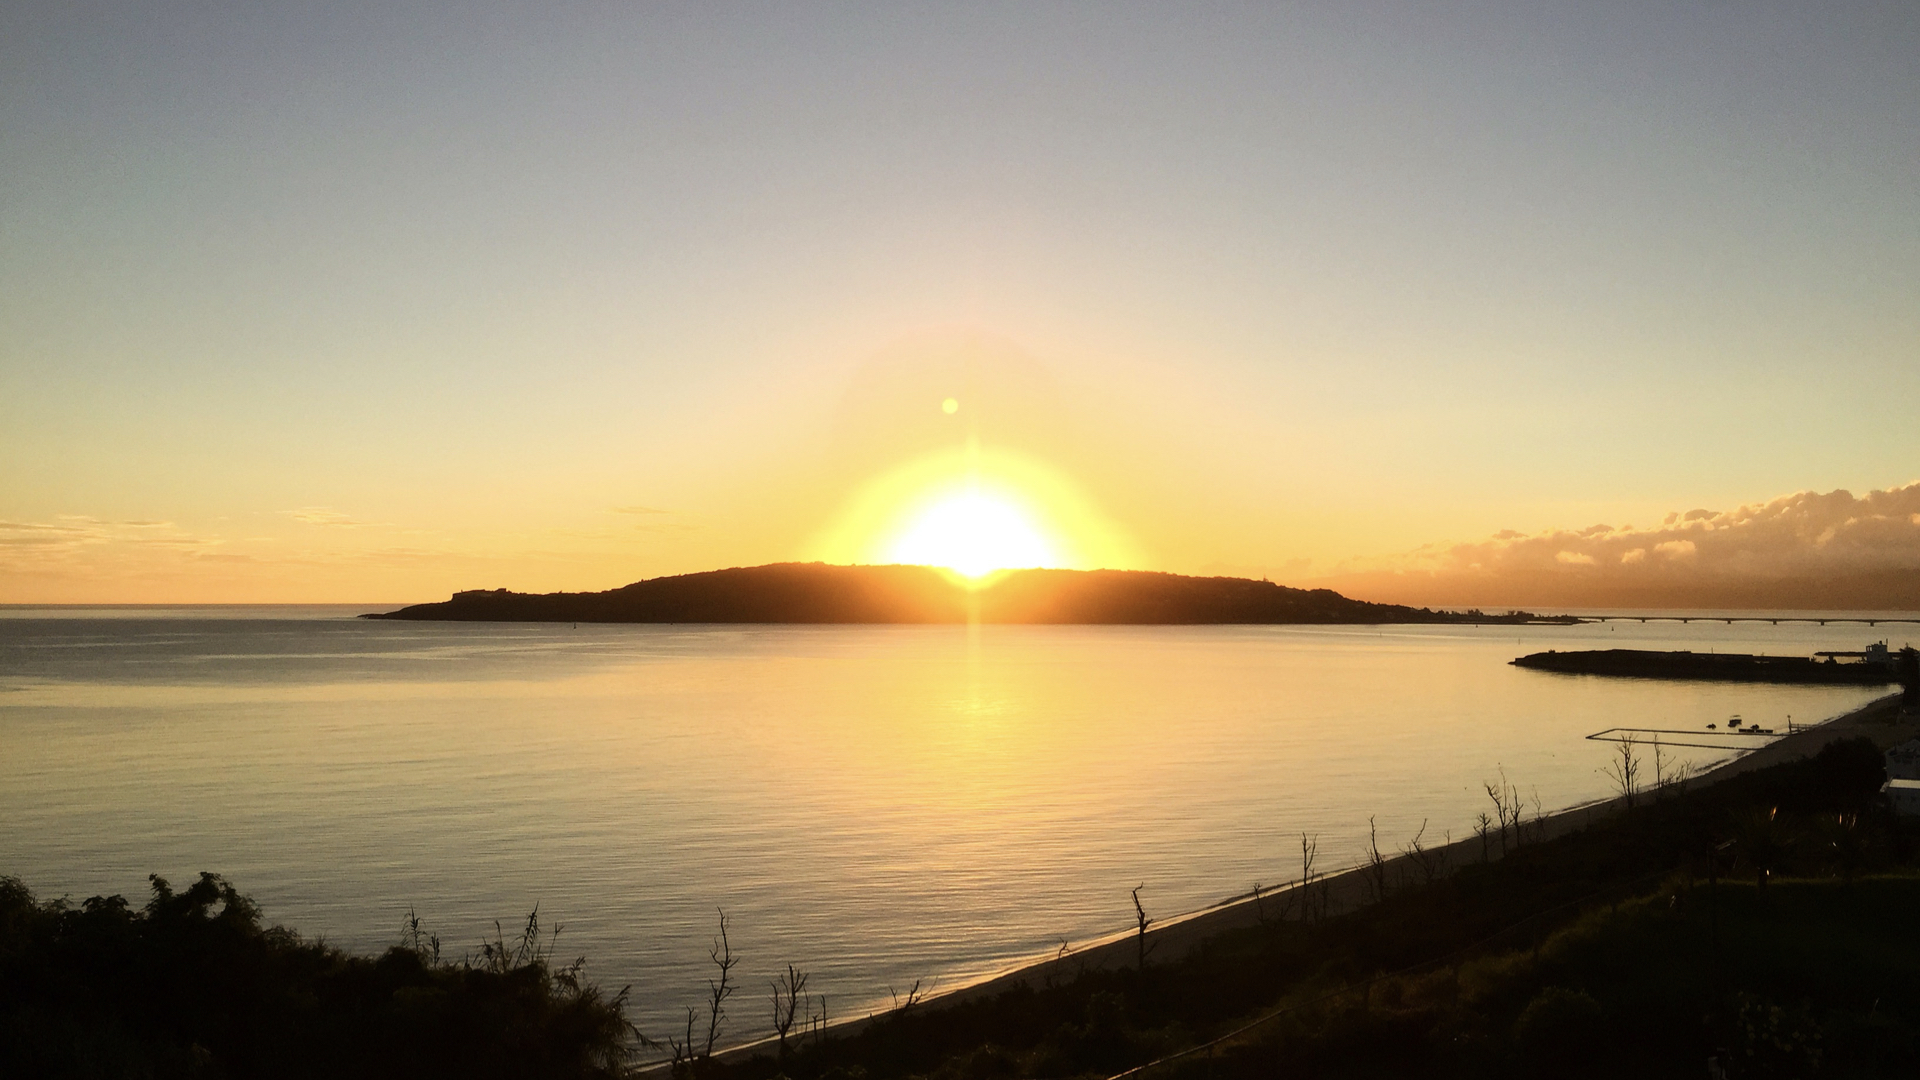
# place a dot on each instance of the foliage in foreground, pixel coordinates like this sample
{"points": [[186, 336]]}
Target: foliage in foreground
{"points": [[192, 985]]}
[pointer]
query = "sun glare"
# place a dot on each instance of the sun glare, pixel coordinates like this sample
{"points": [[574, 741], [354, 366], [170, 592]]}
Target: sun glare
{"points": [[974, 512], [972, 533]]}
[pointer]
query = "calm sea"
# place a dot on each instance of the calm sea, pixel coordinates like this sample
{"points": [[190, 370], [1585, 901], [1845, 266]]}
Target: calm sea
{"points": [[877, 805]]}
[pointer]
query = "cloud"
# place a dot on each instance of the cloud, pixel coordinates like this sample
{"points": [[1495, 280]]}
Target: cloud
{"points": [[70, 531], [74, 544], [1807, 549], [324, 515], [43, 534]]}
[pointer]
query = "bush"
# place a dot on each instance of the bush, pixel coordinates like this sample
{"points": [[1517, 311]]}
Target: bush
{"points": [[192, 985]]}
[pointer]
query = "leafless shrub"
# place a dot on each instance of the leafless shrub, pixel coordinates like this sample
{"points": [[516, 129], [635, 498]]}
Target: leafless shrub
{"points": [[1376, 867], [1499, 796], [1057, 966], [789, 994], [1428, 862], [913, 998], [817, 1023], [1313, 890], [685, 1050], [719, 990], [1667, 773], [1509, 809], [1624, 771], [1142, 922]]}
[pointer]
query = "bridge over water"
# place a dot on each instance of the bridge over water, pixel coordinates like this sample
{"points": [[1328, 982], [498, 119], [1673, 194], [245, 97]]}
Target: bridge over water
{"points": [[1869, 620]]}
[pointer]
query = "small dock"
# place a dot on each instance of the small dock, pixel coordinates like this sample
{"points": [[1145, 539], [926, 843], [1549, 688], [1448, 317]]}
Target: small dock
{"points": [[1731, 739]]}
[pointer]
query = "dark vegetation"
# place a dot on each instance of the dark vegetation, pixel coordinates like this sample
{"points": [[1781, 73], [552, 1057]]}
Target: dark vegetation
{"points": [[819, 593], [1766, 922], [192, 985]]}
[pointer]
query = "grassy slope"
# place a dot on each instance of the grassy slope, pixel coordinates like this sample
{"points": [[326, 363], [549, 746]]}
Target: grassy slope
{"points": [[1621, 915]]}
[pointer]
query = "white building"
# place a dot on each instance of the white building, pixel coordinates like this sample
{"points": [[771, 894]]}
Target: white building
{"points": [[1902, 788]]}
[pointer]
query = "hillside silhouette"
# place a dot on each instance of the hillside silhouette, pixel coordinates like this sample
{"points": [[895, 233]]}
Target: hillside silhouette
{"points": [[821, 593]]}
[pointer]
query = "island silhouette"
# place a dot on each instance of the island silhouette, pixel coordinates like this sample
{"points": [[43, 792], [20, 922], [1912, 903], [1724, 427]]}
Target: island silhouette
{"points": [[825, 593]]}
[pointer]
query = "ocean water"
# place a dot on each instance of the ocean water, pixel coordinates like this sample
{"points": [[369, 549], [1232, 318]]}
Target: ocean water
{"points": [[877, 805]]}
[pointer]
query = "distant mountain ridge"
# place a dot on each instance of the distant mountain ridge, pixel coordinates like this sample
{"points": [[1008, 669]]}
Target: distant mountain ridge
{"points": [[823, 593]]}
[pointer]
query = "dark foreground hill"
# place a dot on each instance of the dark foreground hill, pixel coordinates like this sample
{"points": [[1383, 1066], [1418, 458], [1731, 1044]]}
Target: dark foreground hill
{"points": [[819, 593]]}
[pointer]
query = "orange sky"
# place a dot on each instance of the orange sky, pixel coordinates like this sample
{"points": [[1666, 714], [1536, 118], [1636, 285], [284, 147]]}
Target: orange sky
{"points": [[342, 305]]}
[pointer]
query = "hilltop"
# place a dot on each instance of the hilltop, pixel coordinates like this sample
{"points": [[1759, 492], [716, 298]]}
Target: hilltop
{"points": [[821, 593]]}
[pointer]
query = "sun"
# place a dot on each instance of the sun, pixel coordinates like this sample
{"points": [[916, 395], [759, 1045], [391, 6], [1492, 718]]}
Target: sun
{"points": [[974, 511], [972, 533]]}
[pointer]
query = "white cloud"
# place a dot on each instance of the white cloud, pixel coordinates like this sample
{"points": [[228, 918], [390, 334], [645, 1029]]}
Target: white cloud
{"points": [[1806, 532], [1744, 555]]}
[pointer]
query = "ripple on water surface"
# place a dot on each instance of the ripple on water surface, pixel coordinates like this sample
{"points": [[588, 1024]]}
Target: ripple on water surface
{"points": [[875, 804]]}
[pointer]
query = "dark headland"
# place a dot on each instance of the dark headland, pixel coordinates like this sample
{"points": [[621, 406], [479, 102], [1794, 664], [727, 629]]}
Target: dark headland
{"points": [[1872, 669], [821, 593]]}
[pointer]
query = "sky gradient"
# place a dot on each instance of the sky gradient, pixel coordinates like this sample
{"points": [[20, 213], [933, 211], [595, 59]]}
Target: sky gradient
{"points": [[343, 302]]}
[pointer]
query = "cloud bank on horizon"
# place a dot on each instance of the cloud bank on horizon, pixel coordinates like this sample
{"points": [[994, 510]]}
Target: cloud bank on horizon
{"points": [[1806, 550]]}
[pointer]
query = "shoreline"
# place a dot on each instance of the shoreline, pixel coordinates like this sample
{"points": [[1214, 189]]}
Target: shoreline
{"points": [[1881, 720]]}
